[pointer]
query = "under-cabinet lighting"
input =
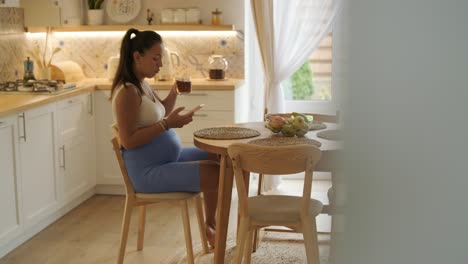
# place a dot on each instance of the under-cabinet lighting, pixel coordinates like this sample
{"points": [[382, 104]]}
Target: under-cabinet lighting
{"points": [[95, 34]]}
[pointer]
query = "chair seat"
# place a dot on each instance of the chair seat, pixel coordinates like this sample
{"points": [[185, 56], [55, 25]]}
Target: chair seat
{"points": [[286, 209], [174, 196]]}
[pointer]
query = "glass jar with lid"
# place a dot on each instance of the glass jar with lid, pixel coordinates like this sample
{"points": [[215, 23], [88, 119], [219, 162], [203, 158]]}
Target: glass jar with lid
{"points": [[216, 17], [217, 67]]}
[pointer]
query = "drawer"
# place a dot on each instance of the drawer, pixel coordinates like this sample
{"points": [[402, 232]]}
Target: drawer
{"points": [[204, 119], [213, 100]]}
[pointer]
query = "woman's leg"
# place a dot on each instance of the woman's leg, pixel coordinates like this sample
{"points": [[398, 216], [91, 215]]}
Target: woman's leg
{"points": [[209, 178]]}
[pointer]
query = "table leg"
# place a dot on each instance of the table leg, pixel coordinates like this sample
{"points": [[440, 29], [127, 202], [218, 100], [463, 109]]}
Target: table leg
{"points": [[224, 206]]}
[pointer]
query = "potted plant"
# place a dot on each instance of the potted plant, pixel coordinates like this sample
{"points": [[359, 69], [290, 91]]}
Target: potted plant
{"points": [[95, 13]]}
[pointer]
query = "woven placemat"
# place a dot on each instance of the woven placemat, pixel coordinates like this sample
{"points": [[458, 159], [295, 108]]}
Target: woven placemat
{"points": [[316, 125], [277, 141], [226, 133], [330, 134]]}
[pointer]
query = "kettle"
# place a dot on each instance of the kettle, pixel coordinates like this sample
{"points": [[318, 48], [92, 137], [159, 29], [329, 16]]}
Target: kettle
{"points": [[112, 64], [169, 60], [217, 67]]}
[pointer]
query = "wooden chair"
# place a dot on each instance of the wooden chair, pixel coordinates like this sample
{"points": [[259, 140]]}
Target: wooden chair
{"points": [[296, 213], [142, 199], [327, 208]]}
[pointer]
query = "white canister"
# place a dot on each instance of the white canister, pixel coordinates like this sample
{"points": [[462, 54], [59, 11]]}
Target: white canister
{"points": [[112, 64], [179, 15], [193, 15], [167, 16]]}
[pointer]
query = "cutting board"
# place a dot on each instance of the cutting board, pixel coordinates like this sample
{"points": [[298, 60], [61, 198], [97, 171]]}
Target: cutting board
{"points": [[69, 71]]}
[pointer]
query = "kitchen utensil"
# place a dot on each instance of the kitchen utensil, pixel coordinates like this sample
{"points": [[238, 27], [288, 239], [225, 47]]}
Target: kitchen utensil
{"points": [[28, 70], [170, 59], [183, 85], [72, 71], [217, 67]]}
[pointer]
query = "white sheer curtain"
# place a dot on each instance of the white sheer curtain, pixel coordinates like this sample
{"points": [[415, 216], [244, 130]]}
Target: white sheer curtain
{"points": [[287, 33]]}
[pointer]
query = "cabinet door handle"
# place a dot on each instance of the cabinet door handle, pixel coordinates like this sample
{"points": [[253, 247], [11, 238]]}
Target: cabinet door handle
{"points": [[200, 115], [24, 126], [90, 104], [71, 101], [196, 94], [63, 156]]}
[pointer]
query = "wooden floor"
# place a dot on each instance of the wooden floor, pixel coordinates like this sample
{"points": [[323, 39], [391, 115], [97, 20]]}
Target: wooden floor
{"points": [[91, 233]]}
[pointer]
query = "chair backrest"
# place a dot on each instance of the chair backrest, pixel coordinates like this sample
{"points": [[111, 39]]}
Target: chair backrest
{"points": [[123, 169], [273, 161], [317, 117]]}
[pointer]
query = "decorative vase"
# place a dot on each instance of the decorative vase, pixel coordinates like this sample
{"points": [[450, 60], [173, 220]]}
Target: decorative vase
{"points": [[95, 16]]}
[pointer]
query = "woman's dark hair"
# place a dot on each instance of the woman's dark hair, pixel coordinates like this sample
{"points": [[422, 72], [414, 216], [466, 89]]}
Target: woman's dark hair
{"points": [[133, 40]]}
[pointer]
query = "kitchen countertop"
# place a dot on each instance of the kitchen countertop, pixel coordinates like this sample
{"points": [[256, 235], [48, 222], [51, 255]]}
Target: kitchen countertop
{"points": [[12, 103]]}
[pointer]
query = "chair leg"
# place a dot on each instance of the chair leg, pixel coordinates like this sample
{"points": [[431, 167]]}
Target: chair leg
{"points": [[188, 235], [256, 238], [201, 223], [248, 246], [125, 225], [309, 229], [241, 237], [141, 227]]}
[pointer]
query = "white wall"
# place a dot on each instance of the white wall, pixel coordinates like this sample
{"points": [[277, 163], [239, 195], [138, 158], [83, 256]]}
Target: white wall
{"points": [[406, 166], [9, 3]]}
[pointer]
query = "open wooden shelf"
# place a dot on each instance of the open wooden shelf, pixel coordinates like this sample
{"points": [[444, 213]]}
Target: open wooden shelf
{"points": [[163, 27]]}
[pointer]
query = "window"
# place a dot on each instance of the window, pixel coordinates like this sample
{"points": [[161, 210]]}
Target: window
{"points": [[309, 89]]}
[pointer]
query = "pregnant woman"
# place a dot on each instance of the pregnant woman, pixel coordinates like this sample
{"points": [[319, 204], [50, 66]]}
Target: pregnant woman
{"points": [[152, 151]]}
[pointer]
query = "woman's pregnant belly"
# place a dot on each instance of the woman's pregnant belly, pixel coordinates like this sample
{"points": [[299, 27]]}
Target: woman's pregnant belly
{"points": [[162, 149]]}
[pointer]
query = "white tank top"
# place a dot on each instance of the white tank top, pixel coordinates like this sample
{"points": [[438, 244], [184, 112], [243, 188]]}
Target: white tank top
{"points": [[150, 112]]}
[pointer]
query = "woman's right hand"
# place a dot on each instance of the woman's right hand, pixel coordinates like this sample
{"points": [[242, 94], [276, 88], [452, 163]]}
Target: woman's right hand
{"points": [[174, 119]]}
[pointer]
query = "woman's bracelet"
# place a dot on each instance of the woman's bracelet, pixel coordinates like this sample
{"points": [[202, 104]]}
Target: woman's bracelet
{"points": [[163, 124], [166, 125]]}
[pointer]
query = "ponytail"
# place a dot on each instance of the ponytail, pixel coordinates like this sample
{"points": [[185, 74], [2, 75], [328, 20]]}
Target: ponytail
{"points": [[134, 40]]}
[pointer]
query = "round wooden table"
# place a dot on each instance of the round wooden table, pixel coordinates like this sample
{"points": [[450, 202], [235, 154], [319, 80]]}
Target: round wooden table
{"points": [[326, 163]]}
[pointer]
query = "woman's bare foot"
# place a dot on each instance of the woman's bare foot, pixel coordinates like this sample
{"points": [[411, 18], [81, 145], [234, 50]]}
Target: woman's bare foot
{"points": [[210, 234]]}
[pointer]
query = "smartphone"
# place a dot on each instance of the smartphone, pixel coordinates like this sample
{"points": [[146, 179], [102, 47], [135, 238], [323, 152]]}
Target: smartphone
{"points": [[198, 107]]}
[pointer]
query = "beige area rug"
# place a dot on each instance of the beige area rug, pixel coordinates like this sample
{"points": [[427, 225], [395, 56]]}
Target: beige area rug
{"points": [[276, 247]]}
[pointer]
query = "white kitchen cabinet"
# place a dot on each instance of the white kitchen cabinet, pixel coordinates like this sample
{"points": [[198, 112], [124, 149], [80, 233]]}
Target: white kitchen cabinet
{"points": [[221, 108], [107, 168], [9, 199], [76, 148], [40, 13], [37, 141]]}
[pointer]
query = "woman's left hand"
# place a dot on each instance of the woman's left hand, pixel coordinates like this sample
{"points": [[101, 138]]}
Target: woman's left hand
{"points": [[174, 89]]}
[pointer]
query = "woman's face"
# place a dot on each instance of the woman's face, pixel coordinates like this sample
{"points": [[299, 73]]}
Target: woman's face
{"points": [[148, 63]]}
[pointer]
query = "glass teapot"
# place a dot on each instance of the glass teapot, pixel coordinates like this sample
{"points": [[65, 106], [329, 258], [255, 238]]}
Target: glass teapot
{"points": [[217, 67]]}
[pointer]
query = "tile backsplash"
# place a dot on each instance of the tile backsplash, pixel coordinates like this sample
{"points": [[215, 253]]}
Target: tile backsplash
{"points": [[12, 43], [91, 50]]}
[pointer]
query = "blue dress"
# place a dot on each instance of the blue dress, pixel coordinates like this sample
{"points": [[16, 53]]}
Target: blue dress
{"points": [[163, 165]]}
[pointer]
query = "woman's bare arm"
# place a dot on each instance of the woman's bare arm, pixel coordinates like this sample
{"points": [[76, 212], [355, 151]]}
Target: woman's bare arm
{"points": [[170, 100]]}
